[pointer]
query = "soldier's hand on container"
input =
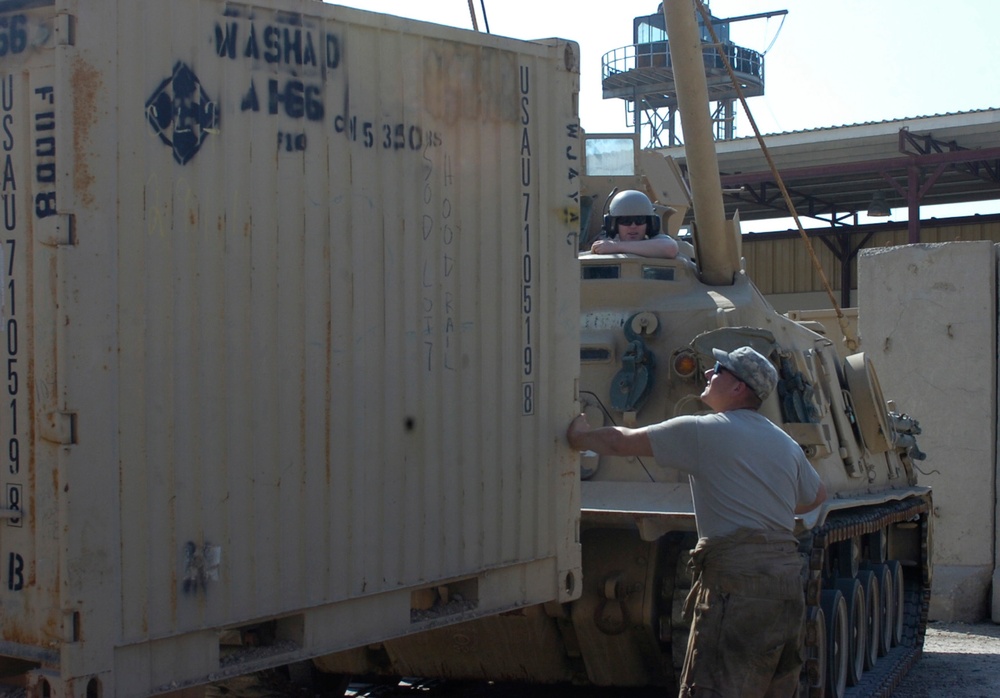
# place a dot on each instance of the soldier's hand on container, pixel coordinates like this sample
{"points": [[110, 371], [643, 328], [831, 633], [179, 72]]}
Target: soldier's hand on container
{"points": [[576, 431]]}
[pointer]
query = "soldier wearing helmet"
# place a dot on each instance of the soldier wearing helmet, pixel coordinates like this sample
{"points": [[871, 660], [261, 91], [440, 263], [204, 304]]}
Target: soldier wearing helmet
{"points": [[632, 227]]}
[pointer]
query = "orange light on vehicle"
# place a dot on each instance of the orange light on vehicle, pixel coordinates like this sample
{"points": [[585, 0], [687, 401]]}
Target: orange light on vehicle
{"points": [[685, 364]]}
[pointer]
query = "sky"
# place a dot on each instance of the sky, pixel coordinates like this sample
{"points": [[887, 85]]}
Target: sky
{"points": [[827, 63], [834, 62]]}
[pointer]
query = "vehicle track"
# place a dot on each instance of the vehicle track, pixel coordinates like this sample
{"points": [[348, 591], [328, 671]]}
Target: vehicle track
{"points": [[843, 528]]}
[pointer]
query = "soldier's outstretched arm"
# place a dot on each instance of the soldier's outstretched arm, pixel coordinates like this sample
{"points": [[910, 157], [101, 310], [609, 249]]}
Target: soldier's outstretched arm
{"points": [[608, 441]]}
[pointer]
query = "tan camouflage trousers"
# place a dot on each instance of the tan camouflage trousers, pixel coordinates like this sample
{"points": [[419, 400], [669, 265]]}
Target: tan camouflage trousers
{"points": [[743, 646]]}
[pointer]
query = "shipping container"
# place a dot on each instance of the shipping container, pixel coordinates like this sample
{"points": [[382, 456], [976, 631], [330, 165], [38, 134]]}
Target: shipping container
{"points": [[290, 328]]}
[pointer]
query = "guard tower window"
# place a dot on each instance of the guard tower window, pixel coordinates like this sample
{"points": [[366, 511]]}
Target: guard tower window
{"points": [[652, 28], [647, 33]]}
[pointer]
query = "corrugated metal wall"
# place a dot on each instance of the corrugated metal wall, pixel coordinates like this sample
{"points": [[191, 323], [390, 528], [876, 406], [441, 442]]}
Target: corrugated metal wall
{"points": [[780, 263]]}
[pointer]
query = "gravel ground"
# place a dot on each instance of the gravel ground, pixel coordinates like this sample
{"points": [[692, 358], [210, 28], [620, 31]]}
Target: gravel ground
{"points": [[961, 660]]}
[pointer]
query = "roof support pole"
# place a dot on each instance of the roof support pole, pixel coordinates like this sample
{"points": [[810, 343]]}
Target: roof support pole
{"points": [[915, 193], [845, 253], [845, 274], [913, 203]]}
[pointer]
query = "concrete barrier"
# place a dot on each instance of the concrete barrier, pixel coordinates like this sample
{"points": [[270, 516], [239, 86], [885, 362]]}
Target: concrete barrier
{"points": [[928, 321]]}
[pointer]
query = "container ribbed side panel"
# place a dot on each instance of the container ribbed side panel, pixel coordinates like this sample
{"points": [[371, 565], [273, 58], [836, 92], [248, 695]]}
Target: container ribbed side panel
{"points": [[295, 306], [345, 338]]}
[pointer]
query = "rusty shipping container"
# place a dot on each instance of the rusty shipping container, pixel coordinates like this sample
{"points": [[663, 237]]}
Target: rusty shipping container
{"points": [[290, 328]]}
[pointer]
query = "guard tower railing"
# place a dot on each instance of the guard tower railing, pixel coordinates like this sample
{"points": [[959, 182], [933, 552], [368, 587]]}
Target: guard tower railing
{"points": [[643, 72]]}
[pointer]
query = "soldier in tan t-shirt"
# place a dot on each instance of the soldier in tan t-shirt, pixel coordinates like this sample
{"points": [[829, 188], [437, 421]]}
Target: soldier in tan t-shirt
{"points": [[748, 480]]}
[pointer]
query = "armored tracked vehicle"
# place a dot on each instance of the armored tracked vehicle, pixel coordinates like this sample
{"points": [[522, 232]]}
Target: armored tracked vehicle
{"points": [[647, 330]]}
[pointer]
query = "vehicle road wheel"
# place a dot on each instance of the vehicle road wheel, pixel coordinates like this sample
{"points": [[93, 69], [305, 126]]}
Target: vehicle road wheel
{"points": [[883, 575], [899, 601], [873, 604], [837, 642], [857, 629], [813, 683]]}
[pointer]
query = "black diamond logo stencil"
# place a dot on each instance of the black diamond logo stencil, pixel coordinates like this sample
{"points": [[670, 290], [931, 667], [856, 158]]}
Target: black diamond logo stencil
{"points": [[182, 114]]}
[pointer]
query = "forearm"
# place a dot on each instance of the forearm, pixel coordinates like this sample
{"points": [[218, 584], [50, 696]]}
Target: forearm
{"points": [[609, 441], [601, 440], [662, 247]]}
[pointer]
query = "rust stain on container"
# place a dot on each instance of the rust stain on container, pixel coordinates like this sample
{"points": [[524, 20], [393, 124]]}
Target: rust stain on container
{"points": [[88, 82], [12, 632]]}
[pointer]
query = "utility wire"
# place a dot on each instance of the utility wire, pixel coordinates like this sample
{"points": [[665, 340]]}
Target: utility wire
{"points": [[849, 340], [611, 419], [482, 3], [472, 13], [770, 45]]}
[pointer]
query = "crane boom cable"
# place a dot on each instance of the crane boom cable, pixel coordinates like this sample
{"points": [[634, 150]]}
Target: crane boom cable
{"points": [[472, 13], [776, 35], [849, 338]]}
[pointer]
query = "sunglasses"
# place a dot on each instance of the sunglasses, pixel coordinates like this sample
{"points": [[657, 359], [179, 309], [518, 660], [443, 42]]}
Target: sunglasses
{"points": [[632, 220], [719, 368]]}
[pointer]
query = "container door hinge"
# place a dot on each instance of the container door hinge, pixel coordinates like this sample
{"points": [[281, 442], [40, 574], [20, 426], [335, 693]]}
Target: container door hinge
{"points": [[64, 26], [57, 231], [59, 427]]}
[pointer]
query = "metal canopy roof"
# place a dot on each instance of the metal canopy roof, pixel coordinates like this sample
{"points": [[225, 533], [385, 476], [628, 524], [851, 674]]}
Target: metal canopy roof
{"points": [[832, 173]]}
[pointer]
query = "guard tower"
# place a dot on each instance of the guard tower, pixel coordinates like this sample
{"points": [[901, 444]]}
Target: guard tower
{"points": [[641, 75]]}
